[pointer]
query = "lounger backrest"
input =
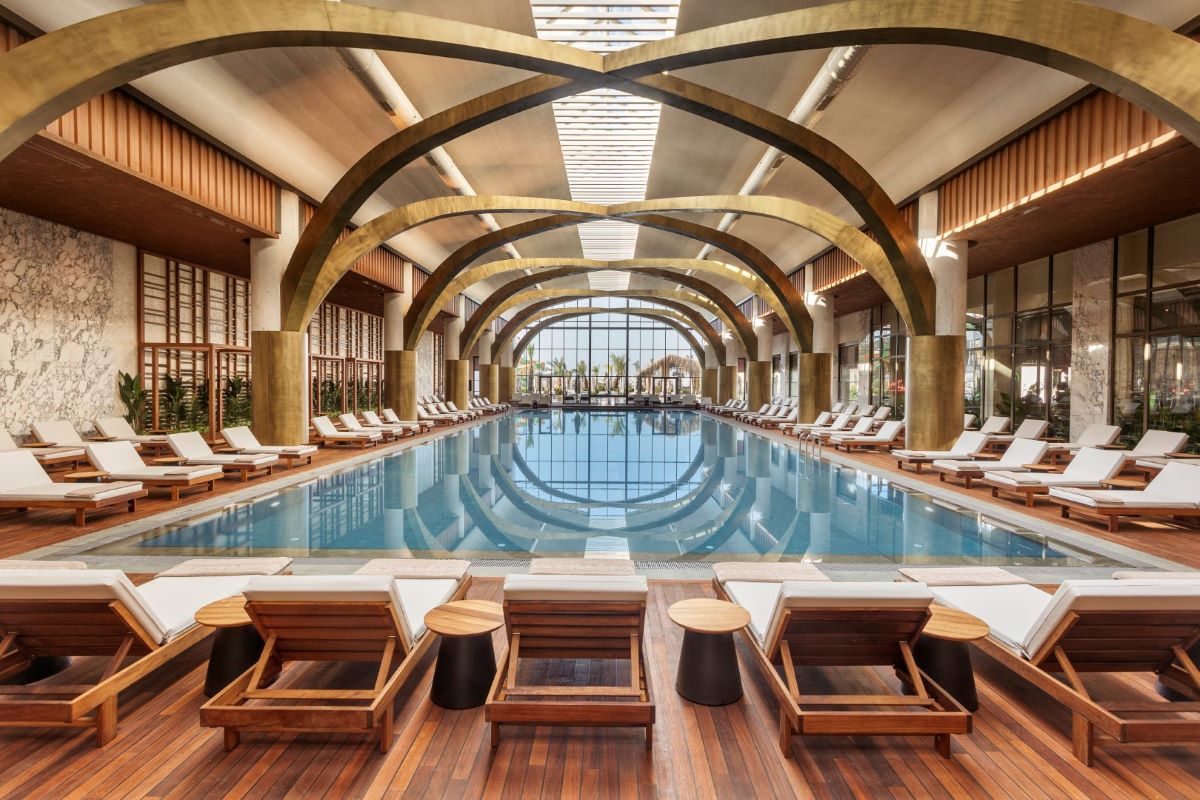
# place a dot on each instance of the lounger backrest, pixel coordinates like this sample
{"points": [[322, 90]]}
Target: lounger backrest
{"points": [[58, 431], [1179, 482], [6, 442], [882, 413], [1115, 626], [837, 408], [1031, 429], [847, 623], [372, 418], [1099, 435], [863, 426], [968, 420], [240, 437], [18, 469], [1095, 465], [889, 430], [866, 410], [849, 408], [69, 612], [1157, 442], [324, 426], [766, 407], [554, 613], [841, 423], [189, 445], [328, 617], [969, 443], [117, 427], [822, 418], [390, 415], [1024, 451], [351, 422], [114, 457], [995, 425]]}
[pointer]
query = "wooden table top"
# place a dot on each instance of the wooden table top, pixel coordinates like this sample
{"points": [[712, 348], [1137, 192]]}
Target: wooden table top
{"points": [[86, 475], [954, 625], [170, 460], [1124, 483], [708, 615], [465, 618], [228, 612]]}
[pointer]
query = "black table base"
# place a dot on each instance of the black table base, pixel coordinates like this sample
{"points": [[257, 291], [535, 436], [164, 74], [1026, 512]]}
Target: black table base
{"points": [[708, 669], [234, 650], [465, 668], [949, 664]]}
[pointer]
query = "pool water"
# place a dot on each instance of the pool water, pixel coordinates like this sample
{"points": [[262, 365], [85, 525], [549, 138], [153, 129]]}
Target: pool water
{"points": [[654, 485]]}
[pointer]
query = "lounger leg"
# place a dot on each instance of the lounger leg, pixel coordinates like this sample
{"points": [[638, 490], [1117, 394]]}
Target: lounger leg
{"points": [[106, 721], [80, 517], [232, 738], [495, 735], [174, 493], [942, 743], [785, 734], [385, 731], [1029, 499], [1082, 736], [1112, 523], [649, 737]]}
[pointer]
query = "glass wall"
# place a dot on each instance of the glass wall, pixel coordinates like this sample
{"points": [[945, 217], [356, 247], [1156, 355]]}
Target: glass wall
{"points": [[872, 371], [1156, 357], [1018, 331], [608, 355]]}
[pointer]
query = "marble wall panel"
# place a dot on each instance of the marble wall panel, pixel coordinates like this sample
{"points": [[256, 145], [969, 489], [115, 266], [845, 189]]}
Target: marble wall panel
{"points": [[425, 365], [1091, 336]]}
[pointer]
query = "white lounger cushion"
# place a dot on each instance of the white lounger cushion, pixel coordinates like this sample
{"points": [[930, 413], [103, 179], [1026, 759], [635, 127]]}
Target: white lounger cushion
{"points": [[757, 597], [770, 572], [887, 432], [995, 425], [1093, 436], [1021, 451], [58, 431], [1136, 575], [326, 430], [1029, 429], [119, 428], [7, 445], [243, 438], [1176, 486], [191, 445], [176, 600], [22, 478], [968, 420], [1009, 610], [248, 566], [122, 462], [805, 595], [454, 568], [598, 588], [966, 445], [1157, 443], [1087, 469]]}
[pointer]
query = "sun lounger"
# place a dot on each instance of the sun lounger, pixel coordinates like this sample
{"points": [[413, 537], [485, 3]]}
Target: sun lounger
{"points": [[122, 463], [968, 421], [995, 425], [1029, 429], [798, 624], [350, 422], [1092, 436], [243, 440], [372, 421], [193, 449], [1174, 492], [966, 446], [1014, 459], [331, 436], [46, 456], [1052, 641], [119, 429], [860, 428], [25, 485], [572, 617], [391, 418], [376, 619], [883, 439], [1156, 444], [581, 566], [840, 424], [1088, 470]]}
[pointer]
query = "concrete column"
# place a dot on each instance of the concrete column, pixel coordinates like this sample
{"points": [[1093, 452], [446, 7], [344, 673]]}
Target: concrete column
{"points": [[947, 259], [820, 308], [278, 359], [399, 387], [1091, 335]]}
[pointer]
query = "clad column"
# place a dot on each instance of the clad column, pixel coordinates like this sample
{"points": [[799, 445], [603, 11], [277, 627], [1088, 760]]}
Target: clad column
{"points": [[935, 364], [456, 368], [278, 358], [506, 375], [399, 365], [489, 373], [816, 368], [708, 378], [727, 375], [758, 371]]}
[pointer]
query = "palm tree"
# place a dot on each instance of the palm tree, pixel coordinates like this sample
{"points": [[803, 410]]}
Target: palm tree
{"points": [[559, 369], [616, 368]]}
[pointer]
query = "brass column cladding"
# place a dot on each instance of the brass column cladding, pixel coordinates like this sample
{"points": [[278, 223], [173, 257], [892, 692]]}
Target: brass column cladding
{"points": [[504, 389], [280, 368], [726, 383], [457, 387], [758, 457], [933, 389], [816, 371], [489, 377], [758, 384], [708, 383], [395, 376]]}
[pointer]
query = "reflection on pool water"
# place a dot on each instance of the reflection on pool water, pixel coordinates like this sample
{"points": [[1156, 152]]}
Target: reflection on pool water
{"points": [[658, 485]]}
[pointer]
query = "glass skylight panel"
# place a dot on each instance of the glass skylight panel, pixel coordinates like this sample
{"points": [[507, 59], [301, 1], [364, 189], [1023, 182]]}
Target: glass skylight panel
{"points": [[607, 136]]}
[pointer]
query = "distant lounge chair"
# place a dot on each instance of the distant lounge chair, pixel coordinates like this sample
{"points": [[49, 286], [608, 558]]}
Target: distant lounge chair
{"points": [[192, 448], [1029, 429], [1093, 436], [821, 420], [573, 617], [372, 422], [93, 612], [813, 623], [1088, 470], [350, 422], [1093, 627], [1014, 459], [966, 446], [995, 425], [883, 439], [119, 429], [243, 440], [331, 436], [47, 456], [1155, 443], [860, 428], [840, 424], [122, 463], [376, 619], [391, 418], [25, 485], [1174, 492], [57, 432], [968, 421]]}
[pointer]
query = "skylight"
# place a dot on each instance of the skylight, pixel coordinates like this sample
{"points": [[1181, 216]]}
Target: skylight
{"points": [[607, 136]]}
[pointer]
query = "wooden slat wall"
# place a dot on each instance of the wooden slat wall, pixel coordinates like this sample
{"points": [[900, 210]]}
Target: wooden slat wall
{"points": [[380, 265], [1097, 132], [118, 128], [836, 266]]}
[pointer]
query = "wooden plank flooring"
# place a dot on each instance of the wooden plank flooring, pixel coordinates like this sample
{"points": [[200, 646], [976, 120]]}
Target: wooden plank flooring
{"points": [[1019, 748]]}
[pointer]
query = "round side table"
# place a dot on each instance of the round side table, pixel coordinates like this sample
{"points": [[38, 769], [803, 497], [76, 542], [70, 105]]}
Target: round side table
{"points": [[236, 644], [942, 652], [708, 665], [466, 661]]}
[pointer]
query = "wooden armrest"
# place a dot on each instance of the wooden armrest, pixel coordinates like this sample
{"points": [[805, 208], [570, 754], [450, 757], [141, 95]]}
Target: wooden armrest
{"points": [[1183, 456], [101, 439]]}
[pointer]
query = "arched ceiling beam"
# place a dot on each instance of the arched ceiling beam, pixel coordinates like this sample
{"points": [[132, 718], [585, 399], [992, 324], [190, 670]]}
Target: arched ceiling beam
{"points": [[551, 316]]}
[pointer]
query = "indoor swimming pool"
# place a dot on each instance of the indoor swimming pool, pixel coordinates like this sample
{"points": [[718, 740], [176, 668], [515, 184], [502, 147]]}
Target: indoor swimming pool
{"points": [[660, 486]]}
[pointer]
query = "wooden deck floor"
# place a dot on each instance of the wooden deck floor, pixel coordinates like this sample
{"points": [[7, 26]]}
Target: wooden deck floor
{"points": [[1019, 748]]}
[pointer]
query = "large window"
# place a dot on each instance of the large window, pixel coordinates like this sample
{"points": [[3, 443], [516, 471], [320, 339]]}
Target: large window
{"points": [[1156, 357], [608, 355], [1018, 332], [872, 371], [346, 348]]}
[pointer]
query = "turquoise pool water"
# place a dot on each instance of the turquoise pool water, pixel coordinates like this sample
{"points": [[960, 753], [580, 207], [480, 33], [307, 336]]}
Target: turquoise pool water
{"points": [[657, 485]]}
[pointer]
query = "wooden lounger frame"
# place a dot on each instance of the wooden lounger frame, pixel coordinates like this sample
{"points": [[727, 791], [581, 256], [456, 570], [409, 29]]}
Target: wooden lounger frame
{"points": [[80, 507], [244, 470], [33, 628], [1028, 492], [290, 458], [1110, 512], [303, 630], [573, 630], [1112, 642], [836, 638], [883, 447], [361, 442], [177, 487]]}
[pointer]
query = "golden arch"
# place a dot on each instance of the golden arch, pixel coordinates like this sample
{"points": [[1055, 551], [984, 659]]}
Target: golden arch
{"points": [[547, 317]]}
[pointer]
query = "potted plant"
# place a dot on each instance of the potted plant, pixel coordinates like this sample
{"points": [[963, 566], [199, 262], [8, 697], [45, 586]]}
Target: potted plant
{"points": [[134, 398]]}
